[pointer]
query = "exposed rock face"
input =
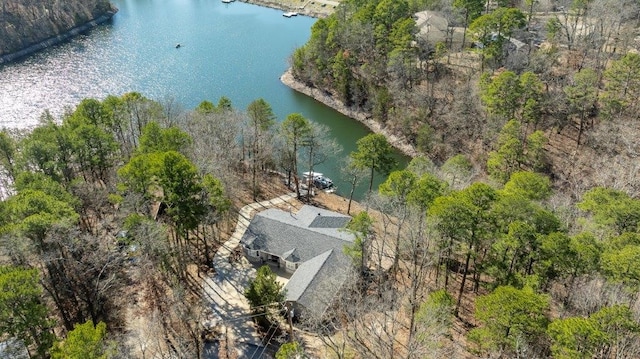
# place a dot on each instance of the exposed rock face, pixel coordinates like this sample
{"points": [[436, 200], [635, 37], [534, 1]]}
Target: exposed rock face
{"points": [[26, 24]]}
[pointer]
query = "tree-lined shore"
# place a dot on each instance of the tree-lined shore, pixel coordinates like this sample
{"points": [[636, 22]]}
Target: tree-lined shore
{"points": [[527, 111], [513, 232], [399, 143]]}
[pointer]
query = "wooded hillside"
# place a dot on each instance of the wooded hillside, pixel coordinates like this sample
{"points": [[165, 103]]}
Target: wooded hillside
{"points": [[109, 217], [512, 233], [566, 68], [27, 22], [515, 234]]}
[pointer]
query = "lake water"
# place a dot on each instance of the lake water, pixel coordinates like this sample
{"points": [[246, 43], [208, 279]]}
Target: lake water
{"points": [[236, 50]]}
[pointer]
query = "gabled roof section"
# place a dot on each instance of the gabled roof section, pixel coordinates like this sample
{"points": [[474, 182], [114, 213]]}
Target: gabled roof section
{"points": [[314, 219], [304, 275], [313, 236], [329, 222], [280, 233], [291, 256], [316, 282]]}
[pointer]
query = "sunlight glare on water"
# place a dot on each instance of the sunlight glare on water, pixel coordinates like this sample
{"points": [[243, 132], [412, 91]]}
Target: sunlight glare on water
{"points": [[235, 50]]}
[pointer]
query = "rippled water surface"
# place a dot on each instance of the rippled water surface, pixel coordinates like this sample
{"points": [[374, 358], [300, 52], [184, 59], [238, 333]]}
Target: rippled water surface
{"points": [[236, 50]]}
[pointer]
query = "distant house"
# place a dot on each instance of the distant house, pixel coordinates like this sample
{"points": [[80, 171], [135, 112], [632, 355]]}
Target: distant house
{"points": [[432, 26], [14, 349], [308, 244]]}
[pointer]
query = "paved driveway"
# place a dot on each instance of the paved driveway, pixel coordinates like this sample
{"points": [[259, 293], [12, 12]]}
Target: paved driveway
{"points": [[225, 289]]}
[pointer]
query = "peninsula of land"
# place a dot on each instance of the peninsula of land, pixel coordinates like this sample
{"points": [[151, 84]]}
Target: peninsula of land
{"points": [[27, 26], [401, 144], [321, 9]]}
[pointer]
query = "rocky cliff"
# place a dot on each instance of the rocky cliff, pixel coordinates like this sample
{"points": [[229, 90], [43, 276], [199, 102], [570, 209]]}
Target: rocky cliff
{"points": [[28, 25]]}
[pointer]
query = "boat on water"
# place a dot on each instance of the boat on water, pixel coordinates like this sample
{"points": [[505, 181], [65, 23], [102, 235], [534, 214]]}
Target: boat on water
{"points": [[228, 1], [318, 180], [290, 14]]}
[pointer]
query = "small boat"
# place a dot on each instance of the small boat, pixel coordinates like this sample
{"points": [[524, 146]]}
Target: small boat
{"points": [[290, 14], [227, 1], [318, 180], [178, 45]]}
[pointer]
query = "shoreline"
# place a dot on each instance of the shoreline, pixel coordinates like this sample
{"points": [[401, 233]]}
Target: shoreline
{"points": [[54, 40], [302, 7], [360, 116], [288, 80]]}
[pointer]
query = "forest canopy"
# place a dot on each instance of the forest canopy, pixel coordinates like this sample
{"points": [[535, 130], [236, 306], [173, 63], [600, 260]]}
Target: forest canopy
{"points": [[566, 71], [526, 113], [120, 193], [515, 233]]}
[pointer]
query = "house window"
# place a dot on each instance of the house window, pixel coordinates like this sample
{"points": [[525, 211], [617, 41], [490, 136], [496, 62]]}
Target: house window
{"points": [[254, 253], [291, 266]]}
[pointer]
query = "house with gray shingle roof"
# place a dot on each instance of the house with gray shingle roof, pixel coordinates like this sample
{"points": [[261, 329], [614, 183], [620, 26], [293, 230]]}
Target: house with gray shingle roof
{"points": [[13, 348], [309, 244]]}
